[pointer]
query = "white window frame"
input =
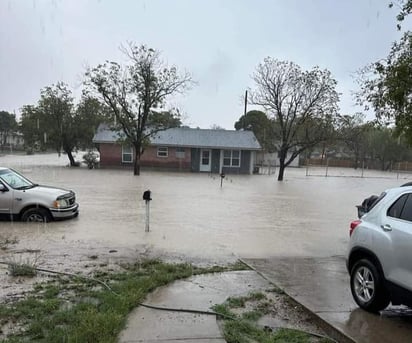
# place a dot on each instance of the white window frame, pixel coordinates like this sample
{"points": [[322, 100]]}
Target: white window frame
{"points": [[231, 159], [162, 151], [129, 152], [180, 152]]}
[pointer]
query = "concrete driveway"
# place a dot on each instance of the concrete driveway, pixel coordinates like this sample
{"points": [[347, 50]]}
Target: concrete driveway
{"points": [[322, 286]]}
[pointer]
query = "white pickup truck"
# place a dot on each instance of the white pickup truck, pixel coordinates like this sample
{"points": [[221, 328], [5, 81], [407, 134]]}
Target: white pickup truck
{"points": [[20, 198]]}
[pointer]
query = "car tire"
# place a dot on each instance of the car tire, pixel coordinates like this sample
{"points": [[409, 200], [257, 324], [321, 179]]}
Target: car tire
{"points": [[367, 287], [37, 215]]}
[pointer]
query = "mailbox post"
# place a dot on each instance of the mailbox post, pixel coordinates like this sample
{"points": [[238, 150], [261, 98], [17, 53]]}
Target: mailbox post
{"points": [[147, 198], [222, 176]]}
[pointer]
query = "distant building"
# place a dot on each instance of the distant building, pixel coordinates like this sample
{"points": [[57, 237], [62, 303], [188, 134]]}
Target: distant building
{"points": [[12, 140], [272, 159], [186, 149]]}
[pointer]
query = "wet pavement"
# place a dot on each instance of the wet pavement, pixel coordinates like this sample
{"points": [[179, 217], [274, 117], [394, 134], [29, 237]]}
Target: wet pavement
{"points": [[322, 286], [195, 220], [199, 292]]}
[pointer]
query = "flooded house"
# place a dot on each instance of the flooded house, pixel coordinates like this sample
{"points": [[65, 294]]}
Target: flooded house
{"points": [[184, 149]]}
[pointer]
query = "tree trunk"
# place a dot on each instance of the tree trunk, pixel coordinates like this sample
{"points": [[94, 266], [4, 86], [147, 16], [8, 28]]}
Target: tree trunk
{"points": [[281, 171], [323, 153], [71, 158], [356, 160], [282, 158], [136, 169]]}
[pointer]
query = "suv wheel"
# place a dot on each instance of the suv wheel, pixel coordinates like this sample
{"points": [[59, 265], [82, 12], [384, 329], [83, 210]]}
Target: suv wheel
{"points": [[367, 287], [38, 215]]}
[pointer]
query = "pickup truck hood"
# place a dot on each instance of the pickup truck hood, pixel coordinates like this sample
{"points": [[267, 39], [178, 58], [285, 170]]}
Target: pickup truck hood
{"points": [[47, 190]]}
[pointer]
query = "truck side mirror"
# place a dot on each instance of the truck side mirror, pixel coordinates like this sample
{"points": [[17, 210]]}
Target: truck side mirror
{"points": [[147, 195], [3, 188]]}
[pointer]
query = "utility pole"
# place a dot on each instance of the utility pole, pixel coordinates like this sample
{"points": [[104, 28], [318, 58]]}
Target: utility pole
{"points": [[245, 102]]}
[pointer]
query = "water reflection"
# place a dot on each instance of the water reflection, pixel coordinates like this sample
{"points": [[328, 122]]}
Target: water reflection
{"points": [[392, 325]]}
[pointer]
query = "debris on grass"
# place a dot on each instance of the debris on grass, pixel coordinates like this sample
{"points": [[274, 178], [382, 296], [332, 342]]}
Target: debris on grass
{"points": [[267, 317]]}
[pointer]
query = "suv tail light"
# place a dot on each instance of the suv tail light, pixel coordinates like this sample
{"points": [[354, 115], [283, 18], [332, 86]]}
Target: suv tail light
{"points": [[353, 226]]}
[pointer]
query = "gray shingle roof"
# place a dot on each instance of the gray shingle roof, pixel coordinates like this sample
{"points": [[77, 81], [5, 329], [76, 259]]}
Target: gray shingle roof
{"points": [[187, 137], [105, 135]]}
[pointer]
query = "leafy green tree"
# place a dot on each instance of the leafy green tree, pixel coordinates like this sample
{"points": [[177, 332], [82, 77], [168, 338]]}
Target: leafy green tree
{"points": [[386, 86], [8, 125], [89, 113], [58, 124], [31, 126], [134, 91], [56, 107], [303, 105], [404, 7], [353, 132], [384, 147], [159, 120], [262, 127]]}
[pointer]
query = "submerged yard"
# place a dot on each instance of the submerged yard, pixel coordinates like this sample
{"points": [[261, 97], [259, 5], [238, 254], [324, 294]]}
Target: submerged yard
{"points": [[193, 220]]}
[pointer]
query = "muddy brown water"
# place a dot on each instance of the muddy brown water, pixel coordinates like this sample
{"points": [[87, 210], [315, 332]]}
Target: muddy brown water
{"points": [[251, 216]]}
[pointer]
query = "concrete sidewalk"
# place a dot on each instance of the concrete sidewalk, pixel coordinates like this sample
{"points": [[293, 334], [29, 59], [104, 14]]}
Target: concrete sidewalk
{"points": [[322, 286], [319, 284], [199, 293]]}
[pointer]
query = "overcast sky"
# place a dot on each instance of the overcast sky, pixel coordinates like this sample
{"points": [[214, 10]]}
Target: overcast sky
{"points": [[219, 42]]}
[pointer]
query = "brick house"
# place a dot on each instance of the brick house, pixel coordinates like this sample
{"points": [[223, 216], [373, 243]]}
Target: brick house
{"points": [[185, 149]]}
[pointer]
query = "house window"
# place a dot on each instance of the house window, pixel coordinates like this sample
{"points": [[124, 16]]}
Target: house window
{"points": [[162, 151], [180, 152], [127, 154], [231, 158]]}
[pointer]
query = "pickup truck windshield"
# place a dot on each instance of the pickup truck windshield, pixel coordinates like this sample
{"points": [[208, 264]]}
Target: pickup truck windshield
{"points": [[15, 180]]}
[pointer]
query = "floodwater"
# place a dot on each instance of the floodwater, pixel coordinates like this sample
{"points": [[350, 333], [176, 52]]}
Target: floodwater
{"points": [[192, 216]]}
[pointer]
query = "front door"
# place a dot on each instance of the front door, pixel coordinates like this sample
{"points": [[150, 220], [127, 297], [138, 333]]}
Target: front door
{"points": [[205, 160]]}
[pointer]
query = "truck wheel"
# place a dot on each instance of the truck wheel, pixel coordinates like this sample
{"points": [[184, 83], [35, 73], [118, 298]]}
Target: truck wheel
{"points": [[367, 287], [38, 215]]}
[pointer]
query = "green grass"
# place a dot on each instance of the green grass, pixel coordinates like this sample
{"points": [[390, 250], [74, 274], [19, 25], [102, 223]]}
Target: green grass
{"points": [[241, 301], [79, 310], [243, 328], [22, 269]]}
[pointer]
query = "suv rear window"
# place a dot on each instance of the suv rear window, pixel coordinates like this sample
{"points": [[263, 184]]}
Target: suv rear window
{"points": [[396, 209], [402, 208], [407, 209]]}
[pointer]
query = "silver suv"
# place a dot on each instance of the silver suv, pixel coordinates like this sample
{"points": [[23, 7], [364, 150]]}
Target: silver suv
{"points": [[379, 257], [31, 202]]}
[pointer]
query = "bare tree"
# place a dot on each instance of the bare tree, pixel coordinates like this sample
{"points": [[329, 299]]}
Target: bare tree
{"points": [[216, 127], [136, 94], [302, 103]]}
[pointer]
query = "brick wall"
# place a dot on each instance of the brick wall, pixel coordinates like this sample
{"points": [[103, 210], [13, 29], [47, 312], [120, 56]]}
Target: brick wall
{"points": [[150, 159], [111, 155]]}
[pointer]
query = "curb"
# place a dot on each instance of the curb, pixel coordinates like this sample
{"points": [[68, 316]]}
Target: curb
{"points": [[332, 331]]}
